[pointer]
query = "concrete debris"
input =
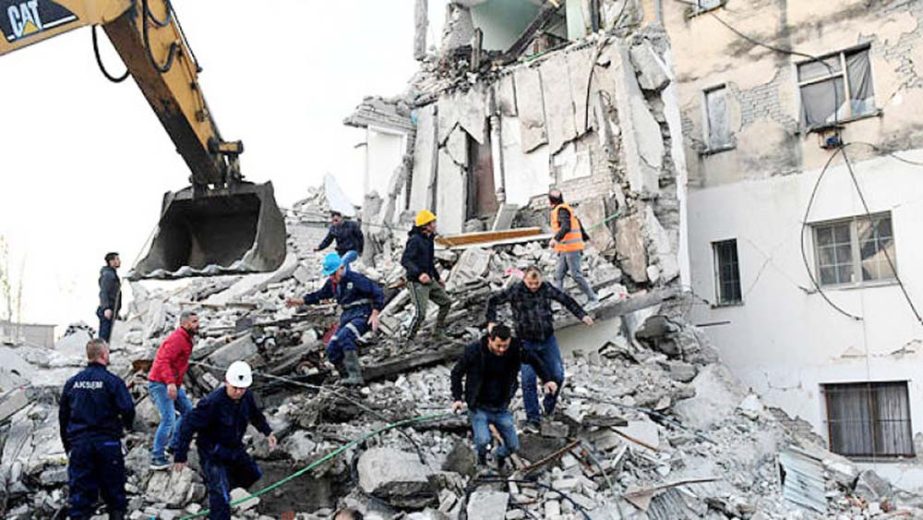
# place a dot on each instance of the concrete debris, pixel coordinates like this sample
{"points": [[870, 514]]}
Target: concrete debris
{"points": [[398, 477]]}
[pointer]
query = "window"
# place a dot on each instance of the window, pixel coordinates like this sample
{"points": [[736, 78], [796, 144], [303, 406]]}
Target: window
{"points": [[727, 273], [869, 419], [836, 88], [855, 251], [717, 124], [707, 5]]}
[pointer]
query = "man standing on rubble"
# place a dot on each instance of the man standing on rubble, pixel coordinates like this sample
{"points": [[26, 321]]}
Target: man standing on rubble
{"points": [[489, 368], [347, 233], [95, 407], [220, 420], [568, 241], [110, 295], [361, 300], [530, 300], [423, 282], [165, 386]]}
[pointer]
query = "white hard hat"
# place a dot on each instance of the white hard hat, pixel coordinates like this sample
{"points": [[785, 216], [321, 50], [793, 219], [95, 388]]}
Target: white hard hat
{"points": [[239, 374]]}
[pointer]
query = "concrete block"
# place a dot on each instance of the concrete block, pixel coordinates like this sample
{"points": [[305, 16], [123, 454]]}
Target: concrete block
{"points": [[487, 504], [643, 430], [395, 476], [630, 248], [237, 350], [651, 69]]}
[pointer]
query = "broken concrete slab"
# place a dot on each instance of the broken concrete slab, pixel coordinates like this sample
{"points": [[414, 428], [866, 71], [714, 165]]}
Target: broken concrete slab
{"points": [[396, 477], [506, 96], [630, 248], [425, 158], [716, 397], [173, 488], [487, 504], [559, 105], [644, 431], [652, 71], [239, 349], [451, 182], [579, 70], [529, 100]]}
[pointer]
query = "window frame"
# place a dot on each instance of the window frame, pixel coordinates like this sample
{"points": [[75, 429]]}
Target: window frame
{"points": [[876, 419], [719, 300], [844, 75], [710, 148], [855, 252]]}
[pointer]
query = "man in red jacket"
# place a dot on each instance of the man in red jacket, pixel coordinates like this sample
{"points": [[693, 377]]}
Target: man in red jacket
{"points": [[165, 386]]}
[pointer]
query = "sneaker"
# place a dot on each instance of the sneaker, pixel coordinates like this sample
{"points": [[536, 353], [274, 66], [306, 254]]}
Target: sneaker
{"points": [[158, 464], [532, 427]]}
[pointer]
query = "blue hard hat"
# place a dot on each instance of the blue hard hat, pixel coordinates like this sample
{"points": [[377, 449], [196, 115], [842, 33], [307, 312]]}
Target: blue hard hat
{"points": [[332, 262]]}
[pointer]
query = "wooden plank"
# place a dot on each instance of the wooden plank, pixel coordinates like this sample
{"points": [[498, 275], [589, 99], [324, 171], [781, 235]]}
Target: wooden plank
{"points": [[487, 236]]}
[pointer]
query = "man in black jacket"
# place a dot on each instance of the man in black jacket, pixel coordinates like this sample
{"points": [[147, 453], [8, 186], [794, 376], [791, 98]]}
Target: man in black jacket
{"points": [[423, 280], [489, 368], [347, 233], [110, 295], [95, 406], [530, 300]]}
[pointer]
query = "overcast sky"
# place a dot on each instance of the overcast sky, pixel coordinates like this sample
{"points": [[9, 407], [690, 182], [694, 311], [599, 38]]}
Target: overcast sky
{"points": [[85, 162]]}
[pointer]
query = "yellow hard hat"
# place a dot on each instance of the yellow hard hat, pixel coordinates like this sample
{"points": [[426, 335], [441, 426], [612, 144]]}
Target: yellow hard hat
{"points": [[424, 217]]}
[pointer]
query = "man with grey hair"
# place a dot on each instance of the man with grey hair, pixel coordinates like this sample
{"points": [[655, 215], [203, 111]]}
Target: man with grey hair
{"points": [[94, 409], [165, 386]]}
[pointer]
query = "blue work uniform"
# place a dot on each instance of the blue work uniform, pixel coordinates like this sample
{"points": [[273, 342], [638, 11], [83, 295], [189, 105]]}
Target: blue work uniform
{"points": [[358, 296], [220, 423], [94, 409]]}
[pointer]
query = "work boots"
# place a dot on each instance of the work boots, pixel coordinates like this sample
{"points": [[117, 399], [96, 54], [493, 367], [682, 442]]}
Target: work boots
{"points": [[353, 369]]}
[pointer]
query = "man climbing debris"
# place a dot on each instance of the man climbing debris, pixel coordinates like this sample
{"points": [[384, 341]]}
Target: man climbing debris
{"points": [[530, 300], [488, 369], [361, 300], [569, 241], [220, 421], [110, 295], [423, 279], [165, 386], [346, 233], [95, 407]]}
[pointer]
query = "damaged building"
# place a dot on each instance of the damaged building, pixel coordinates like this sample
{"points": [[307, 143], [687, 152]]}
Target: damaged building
{"points": [[803, 146]]}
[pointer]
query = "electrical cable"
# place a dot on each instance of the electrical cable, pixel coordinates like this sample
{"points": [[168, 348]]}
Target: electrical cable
{"points": [[804, 254], [355, 442], [102, 66], [874, 224], [889, 153], [333, 392]]}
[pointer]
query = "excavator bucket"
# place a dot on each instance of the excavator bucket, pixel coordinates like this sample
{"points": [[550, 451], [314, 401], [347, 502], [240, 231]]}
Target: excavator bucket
{"points": [[229, 231]]}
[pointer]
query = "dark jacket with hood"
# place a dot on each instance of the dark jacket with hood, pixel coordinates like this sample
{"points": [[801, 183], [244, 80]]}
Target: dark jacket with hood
{"points": [[110, 290], [419, 255], [472, 368], [348, 236]]}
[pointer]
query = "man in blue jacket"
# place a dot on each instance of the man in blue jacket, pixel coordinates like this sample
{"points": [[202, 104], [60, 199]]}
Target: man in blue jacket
{"points": [[347, 233], [220, 420], [423, 281], [361, 300], [95, 407], [110, 295]]}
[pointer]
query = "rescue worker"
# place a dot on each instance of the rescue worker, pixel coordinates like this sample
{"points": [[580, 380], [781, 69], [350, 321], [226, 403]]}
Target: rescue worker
{"points": [[361, 300], [346, 233], [569, 241], [530, 300], [488, 368], [165, 386], [423, 280], [95, 407], [220, 421], [110, 295]]}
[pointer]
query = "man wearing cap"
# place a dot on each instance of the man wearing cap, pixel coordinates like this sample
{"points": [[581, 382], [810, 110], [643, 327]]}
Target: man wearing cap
{"points": [[568, 242], [95, 407], [361, 300], [346, 233], [423, 279], [165, 386], [110, 295], [220, 420]]}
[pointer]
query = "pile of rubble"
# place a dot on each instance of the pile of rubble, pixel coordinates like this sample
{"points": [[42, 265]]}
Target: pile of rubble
{"points": [[650, 424]]}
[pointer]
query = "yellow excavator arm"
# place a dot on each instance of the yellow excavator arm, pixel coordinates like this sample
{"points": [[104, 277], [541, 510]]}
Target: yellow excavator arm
{"points": [[220, 224]]}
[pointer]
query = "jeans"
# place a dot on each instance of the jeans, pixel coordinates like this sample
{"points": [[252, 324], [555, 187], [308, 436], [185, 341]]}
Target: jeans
{"points": [[168, 429], [481, 418], [222, 474], [345, 338], [550, 355], [105, 325], [571, 262], [96, 468]]}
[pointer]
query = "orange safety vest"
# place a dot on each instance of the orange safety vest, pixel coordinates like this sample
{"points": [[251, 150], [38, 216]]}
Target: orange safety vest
{"points": [[573, 240]]}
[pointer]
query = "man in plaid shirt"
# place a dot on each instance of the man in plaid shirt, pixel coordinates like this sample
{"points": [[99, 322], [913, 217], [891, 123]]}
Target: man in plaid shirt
{"points": [[530, 300]]}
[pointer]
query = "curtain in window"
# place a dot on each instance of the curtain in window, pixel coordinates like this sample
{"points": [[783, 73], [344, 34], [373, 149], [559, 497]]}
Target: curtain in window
{"points": [[861, 90], [869, 419], [820, 101], [850, 418], [893, 436]]}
